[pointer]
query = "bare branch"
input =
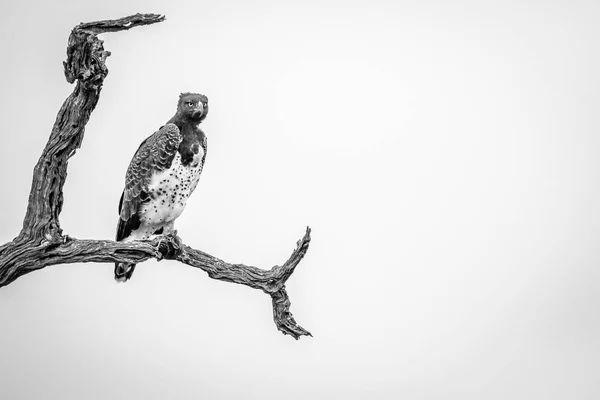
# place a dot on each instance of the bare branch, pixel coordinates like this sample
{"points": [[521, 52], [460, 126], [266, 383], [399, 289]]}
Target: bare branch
{"points": [[86, 64], [121, 24], [41, 242], [29, 257], [269, 281], [283, 317]]}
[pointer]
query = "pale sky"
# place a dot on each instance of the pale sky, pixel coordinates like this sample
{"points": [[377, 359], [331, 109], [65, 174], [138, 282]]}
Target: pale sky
{"points": [[445, 155]]}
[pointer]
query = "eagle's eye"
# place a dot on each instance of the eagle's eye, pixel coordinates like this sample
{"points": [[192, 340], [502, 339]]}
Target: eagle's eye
{"points": [[190, 104]]}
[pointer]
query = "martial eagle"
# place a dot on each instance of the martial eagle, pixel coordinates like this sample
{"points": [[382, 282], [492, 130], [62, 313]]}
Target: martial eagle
{"points": [[161, 176]]}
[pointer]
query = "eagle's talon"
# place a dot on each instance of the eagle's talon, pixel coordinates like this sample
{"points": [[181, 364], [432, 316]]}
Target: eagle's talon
{"points": [[178, 241], [167, 245], [163, 245], [176, 245]]}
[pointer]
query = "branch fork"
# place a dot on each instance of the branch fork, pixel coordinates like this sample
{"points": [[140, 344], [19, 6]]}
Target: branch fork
{"points": [[41, 242]]}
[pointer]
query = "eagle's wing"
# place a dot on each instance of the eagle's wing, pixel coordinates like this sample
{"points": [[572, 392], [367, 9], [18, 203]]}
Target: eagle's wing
{"points": [[155, 154], [204, 147]]}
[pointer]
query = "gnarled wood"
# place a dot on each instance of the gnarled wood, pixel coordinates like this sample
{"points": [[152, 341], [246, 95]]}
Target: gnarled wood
{"points": [[41, 242]]}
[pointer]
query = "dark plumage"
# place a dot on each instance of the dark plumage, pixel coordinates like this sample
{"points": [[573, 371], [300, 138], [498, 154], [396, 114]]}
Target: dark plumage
{"points": [[161, 176]]}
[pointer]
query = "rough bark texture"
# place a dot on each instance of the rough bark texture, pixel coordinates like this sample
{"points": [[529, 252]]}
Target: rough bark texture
{"points": [[41, 242]]}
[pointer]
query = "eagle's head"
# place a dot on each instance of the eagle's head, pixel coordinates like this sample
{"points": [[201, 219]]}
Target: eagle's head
{"points": [[192, 107]]}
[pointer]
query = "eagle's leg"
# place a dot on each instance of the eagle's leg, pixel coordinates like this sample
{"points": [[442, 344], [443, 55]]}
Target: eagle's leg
{"points": [[162, 231], [172, 233], [169, 228]]}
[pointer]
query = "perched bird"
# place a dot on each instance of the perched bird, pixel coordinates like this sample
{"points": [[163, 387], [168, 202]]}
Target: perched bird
{"points": [[161, 176]]}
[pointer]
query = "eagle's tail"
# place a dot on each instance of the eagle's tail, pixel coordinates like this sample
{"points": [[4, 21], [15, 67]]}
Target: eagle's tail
{"points": [[123, 271]]}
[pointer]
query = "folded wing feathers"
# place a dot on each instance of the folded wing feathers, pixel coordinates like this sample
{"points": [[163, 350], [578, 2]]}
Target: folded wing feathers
{"points": [[155, 154]]}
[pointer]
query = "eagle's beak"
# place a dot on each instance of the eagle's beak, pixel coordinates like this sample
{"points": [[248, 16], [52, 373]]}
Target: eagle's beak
{"points": [[198, 111]]}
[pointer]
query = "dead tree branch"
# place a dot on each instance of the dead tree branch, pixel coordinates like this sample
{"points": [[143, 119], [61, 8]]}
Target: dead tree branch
{"points": [[41, 242]]}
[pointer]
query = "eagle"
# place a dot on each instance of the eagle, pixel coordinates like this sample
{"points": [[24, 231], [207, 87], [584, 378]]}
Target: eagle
{"points": [[161, 177]]}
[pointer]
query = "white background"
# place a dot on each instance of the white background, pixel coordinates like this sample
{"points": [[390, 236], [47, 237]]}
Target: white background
{"points": [[445, 155]]}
